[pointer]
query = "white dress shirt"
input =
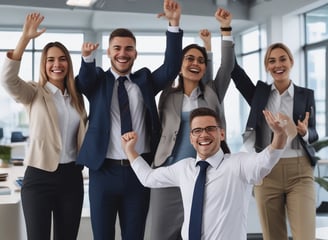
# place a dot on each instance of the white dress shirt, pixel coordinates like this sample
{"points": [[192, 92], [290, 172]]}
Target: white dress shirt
{"points": [[138, 112], [68, 120], [228, 188], [284, 103]]}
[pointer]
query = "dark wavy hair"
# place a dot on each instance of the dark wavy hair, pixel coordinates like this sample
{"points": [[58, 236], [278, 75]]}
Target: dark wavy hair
{"points": [[184, 51]]}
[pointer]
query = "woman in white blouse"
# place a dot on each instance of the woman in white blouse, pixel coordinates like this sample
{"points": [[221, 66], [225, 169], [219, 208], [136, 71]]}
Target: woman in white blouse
{"points": [[53, 183]]}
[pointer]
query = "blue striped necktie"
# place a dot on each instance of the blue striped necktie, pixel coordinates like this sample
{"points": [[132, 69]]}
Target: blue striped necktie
{"points": [[196, 214], [123, 100]]}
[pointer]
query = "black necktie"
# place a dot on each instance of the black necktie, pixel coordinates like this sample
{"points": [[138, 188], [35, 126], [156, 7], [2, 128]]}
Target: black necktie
{"points": [[196, 214], [123, 100]]}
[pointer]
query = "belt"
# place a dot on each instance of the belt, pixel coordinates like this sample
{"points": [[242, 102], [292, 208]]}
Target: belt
{"points": [[117, 162]]}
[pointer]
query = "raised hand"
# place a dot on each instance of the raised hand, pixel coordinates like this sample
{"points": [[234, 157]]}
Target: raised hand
{"points": [[32, 23], [172, 12], [224, 17], [30, 31], [205, 35], [88, 48]]}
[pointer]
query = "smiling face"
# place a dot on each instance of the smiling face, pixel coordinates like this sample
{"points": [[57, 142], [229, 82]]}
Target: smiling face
{"points": [[279, 64], [122, 53], [207, 143], [193, 66], [56, 66]]}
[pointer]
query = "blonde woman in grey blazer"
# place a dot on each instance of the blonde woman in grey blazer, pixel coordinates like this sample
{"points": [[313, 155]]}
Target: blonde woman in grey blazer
{"points": [[53, 183], [175, 104]]}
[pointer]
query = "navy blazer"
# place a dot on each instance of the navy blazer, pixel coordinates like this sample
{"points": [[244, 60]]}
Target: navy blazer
{"points": [[257, 97], [97, 86]]}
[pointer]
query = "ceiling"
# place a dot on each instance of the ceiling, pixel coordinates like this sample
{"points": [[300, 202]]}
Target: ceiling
{"points": [[141, 14], [192, 7]]}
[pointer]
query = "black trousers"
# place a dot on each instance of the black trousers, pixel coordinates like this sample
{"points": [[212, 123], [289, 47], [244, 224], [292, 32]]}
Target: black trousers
{"points": [[58, 194]]}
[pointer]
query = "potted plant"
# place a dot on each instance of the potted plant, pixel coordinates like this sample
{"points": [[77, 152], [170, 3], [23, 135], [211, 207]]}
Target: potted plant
{"points": [[5, 155], [321, 180]]}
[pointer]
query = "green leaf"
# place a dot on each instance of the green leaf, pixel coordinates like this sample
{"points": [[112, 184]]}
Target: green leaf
{"points": [[322, 182], [318, 145]]}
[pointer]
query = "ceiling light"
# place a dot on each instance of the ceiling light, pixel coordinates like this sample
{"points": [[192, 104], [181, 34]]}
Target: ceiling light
{"points": [[80, 3]]}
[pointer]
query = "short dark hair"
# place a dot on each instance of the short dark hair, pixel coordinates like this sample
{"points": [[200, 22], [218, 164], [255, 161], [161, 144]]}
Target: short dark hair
{"points": [[204, 111], [122, 32]]}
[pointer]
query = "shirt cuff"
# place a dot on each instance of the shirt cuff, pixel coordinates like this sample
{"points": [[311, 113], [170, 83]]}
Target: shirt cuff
{"points": [[227, 38], [174, 29], [90, 58], [306, 137]]}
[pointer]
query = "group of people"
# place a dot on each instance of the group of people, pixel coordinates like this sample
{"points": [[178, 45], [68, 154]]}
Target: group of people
{"points": [[143, 155]]}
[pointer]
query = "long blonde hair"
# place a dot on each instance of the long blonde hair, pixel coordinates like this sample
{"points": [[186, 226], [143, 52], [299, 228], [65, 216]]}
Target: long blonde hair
{"points": [[69, 82]]}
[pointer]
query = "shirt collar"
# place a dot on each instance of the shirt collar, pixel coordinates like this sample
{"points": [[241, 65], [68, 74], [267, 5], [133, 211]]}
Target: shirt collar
{"points": [[195, 93], [214, 160], [116, 76], [53, 89], [290, 89]]}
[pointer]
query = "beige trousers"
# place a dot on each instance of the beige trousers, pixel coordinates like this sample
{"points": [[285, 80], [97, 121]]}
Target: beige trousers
{"points": [[288, 189]]}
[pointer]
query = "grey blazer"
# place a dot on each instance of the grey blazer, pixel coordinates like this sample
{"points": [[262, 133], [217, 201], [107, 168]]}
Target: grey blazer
{"points": [[170, 103]]}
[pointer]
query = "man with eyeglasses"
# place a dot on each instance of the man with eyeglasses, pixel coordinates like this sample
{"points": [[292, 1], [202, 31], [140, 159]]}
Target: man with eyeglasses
{"points": [[229, 179]]}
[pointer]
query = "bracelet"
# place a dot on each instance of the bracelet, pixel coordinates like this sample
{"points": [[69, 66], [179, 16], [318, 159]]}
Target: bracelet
{"points": [[226, 29]]}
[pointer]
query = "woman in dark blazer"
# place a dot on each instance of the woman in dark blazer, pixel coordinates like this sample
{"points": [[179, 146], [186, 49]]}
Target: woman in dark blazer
{"points": [[289, 188], [174, 107]]}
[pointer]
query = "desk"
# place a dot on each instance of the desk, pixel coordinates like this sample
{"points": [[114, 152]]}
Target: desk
{"points": [[12, 225], [321, 233]]}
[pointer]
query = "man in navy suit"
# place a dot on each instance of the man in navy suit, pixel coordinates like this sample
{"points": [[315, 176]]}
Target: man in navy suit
{"points": [[113, 187]]}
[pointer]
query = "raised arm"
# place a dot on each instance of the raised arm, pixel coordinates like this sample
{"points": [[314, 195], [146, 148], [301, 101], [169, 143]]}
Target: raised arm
{"points": [[243, 83], [223, 76], [167, 72], [20, 90], [206, 36]]}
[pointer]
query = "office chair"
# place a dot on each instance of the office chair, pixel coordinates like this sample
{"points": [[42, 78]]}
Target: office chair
{"points": [[17, 137]]}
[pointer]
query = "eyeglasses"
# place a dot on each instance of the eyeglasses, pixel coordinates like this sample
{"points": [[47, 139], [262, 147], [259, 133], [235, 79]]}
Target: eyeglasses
{"points": [[192, 58], [209, 129]]}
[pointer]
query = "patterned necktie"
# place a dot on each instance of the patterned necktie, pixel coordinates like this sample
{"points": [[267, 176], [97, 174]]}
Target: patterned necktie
{"points": [[123, 100], [196, 214]]}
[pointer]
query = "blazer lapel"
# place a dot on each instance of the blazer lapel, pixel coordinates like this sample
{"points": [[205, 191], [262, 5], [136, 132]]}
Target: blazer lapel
{"points": [[109, 83], [177, 99], [299, 104]]}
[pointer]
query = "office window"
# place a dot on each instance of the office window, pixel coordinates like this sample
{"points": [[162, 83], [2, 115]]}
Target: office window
{"points": [[250, 41], [15, 116], [316, 25], [315, 50]]}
